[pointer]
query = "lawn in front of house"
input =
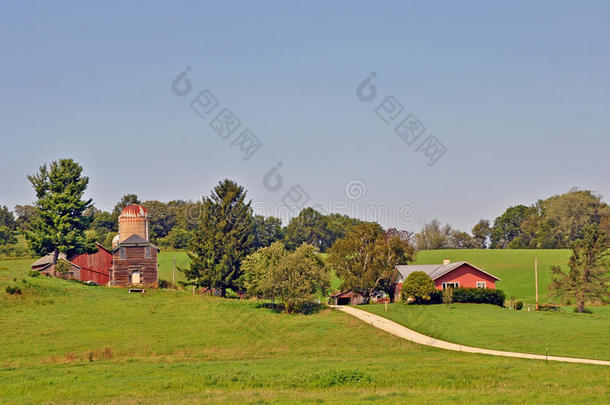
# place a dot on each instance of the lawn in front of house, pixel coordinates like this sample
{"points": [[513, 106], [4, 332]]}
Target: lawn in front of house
{"points": [[492, 327]]}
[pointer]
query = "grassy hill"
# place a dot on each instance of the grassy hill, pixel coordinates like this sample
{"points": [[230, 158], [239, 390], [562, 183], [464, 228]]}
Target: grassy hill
{"points": [[489, 326], [63, 342], [514, 266]]}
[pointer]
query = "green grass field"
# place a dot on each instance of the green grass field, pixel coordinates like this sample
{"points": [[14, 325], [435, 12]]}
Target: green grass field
{"points": [[63, 342], [515, 267], [492, 327]]}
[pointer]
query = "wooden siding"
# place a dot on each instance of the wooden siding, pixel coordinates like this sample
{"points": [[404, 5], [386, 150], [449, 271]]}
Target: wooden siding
{"points": [[95, 267], [135, 260], [467, 276]]}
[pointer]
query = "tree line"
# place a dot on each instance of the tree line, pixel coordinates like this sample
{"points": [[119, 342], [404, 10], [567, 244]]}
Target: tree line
{"points": [[554, 223]]}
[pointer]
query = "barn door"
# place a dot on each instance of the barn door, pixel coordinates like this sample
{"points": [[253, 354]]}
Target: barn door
{"points": [[135, 277]]}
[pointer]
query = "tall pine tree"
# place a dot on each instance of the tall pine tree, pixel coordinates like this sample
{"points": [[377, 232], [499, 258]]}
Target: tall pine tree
{"points": [[588, 278], [60, 224], [223, 238]]}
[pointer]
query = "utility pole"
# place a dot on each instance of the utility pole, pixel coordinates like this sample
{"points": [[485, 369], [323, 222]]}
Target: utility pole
{"points": [[536, 279], [174, 273]]}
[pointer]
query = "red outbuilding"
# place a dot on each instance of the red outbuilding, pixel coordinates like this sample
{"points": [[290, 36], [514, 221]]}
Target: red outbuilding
{"points": [[458, 274], [85, 267]]}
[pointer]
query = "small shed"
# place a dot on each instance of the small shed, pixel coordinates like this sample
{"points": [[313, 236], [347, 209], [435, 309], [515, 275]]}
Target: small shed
{"points": [[347, 298]]}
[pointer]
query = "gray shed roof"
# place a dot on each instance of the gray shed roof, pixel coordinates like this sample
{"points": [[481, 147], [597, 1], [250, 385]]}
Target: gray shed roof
{"points": [[135, 240], [433, 270]]}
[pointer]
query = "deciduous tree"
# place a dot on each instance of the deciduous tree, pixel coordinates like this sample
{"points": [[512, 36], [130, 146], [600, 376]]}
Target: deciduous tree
{"points": [[364, 259]]}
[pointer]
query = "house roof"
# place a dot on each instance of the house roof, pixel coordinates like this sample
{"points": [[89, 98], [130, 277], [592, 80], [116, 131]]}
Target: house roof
{"points": [[135, 240], [433, 270], [47, 260]]}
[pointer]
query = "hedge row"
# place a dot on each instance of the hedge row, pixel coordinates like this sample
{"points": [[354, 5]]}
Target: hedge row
{"points": [[479, 296]]}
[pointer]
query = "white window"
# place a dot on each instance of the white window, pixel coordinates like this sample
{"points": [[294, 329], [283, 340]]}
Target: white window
{"points": [[481, 284], [454, 284], [122, 252], [147, 252]]}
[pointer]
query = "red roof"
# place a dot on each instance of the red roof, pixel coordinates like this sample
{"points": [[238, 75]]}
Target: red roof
{"points": [[134, 210]]}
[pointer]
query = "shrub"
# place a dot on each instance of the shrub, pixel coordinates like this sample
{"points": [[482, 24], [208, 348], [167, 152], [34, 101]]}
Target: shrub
{"points": [[447, 296], [165, 284], [479, 296], [548, 307], [418, 285], [13, 290], [519, 305], [33, 273]]}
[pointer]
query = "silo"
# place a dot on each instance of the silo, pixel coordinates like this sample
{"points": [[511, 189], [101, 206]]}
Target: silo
{"points": [[133, 220]]}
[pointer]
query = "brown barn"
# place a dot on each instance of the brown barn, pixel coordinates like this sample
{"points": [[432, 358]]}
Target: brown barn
{"points": [[347, 298], [135, 258], [135, 263], [85, 267]]}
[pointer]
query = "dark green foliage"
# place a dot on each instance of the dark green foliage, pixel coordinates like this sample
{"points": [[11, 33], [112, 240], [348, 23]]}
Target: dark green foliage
{"points": [[177, 238], [336, 378], [25, 216], [296, 279], [126, 200], [519, 305], [223, 238], [308, 227], [60, 223], [480, 233], [588, 277], [6, 236], [316, 229], [13, 290], [418, 286], [33, 273], [554, 223], [479, 296], [506, 231], [266, 231], [164, 284], [7, 218], [549, 307], [365, 257]]}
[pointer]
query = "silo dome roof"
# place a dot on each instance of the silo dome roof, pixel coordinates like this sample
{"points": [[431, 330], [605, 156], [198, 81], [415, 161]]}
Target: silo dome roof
{"points": [[134, 210]]}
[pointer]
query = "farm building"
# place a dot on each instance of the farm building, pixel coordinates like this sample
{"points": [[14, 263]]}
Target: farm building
{"points": [[85, 267], [135, 258], [133, 261], [347, 298], [458, 274]]}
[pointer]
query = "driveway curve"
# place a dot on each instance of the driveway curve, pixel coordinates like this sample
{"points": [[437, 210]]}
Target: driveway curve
{"points": [[416, 337]]}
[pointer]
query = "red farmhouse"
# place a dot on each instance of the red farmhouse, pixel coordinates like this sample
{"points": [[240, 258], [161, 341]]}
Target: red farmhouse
{"points": [[458, 274]]}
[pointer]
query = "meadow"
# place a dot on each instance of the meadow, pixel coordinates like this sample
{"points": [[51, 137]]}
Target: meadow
{"points": [[492, 327], [64, 342]]}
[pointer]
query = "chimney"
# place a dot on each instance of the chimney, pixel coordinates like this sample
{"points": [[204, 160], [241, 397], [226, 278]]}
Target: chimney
{"points": [[446, 262]]}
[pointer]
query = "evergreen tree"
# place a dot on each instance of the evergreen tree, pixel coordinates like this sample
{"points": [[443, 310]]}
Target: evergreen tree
{"points": [[223, 238], [588, 277], [60, 225]]}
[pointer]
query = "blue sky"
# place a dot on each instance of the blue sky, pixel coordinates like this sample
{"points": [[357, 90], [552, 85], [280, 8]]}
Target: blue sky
{"points": [[517, 93]]}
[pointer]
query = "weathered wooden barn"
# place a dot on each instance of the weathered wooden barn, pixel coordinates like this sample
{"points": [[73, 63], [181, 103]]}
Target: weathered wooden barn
{"points": [[135, 258], [133, 261], [86, 267]]}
